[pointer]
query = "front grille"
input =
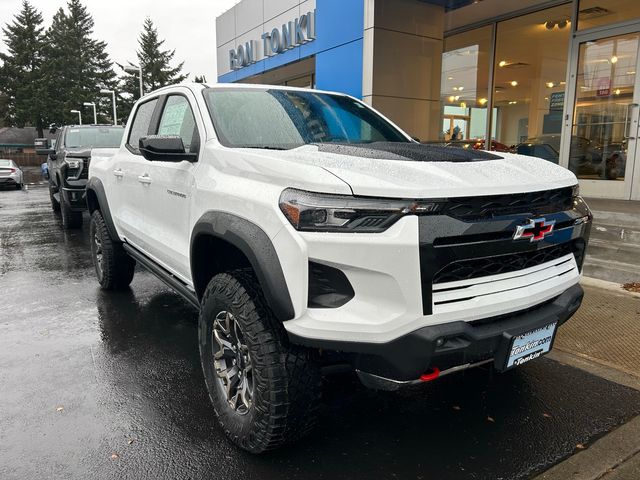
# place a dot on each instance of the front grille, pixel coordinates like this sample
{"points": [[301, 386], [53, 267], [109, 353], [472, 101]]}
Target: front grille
{"points": [[482, 267], [486, 207]]}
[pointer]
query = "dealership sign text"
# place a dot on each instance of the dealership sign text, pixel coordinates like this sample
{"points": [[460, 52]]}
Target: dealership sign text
{"points": [[293, 33]]}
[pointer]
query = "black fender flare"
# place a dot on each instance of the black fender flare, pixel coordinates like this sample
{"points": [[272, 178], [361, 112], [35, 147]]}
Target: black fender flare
{"points": [[257, 247], [95, 187]]}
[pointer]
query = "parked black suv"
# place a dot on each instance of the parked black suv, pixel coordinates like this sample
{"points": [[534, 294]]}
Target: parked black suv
{"points": [[68, 157]]}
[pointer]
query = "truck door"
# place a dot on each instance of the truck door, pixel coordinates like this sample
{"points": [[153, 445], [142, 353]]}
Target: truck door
{"points": [[128, 191], [167, 218]]}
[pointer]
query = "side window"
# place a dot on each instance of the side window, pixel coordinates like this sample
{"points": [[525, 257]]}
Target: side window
{"points": [[177, 119], [141, 123]]}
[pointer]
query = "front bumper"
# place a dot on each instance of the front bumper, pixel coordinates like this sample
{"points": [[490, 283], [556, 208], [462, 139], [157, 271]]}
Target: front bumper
{"points": [[424, 271], [76, 196], [450, 344]]}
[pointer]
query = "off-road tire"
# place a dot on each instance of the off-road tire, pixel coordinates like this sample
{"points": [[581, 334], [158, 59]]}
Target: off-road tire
{"points": [[115, 270], [70, 219], [55, 204], [286, 377]]}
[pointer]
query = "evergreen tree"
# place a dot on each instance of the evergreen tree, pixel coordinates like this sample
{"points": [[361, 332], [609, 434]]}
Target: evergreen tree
{"points": [[200, 79], [21, 73], [156, 67], [77, 65]]}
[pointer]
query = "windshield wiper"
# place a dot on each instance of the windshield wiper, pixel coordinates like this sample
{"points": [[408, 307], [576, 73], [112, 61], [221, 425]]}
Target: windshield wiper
{"points": [[265, 147]]}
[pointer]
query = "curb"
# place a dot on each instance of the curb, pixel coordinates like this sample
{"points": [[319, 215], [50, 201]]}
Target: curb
{"points": [[605, 285], [601, 458]]}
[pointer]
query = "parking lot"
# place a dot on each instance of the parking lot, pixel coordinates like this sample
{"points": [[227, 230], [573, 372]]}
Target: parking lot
{"points": [[104, 385]]}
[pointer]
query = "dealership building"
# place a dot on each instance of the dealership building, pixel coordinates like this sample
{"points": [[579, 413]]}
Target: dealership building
{"points": [[554, 79]]}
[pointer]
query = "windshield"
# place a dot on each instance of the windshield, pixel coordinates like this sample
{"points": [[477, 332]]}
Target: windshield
{"points": [[94, 137], [283, 119]]}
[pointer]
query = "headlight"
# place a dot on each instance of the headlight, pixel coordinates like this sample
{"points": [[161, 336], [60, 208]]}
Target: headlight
{"points": [[73, 164], [318, 212], [576, 190]]}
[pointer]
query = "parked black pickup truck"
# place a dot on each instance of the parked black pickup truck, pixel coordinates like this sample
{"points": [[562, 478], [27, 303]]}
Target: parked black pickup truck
{"points": [[68, 157]]}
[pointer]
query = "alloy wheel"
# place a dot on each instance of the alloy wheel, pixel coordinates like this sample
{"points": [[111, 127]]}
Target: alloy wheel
{"points": [[232, 363]]}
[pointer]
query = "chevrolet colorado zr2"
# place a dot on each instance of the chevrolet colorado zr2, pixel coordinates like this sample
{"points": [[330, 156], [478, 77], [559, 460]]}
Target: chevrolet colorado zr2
{"points": [[308, 229]]}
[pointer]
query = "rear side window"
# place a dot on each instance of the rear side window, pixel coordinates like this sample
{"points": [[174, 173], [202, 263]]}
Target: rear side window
{"points": [[141, 123]]}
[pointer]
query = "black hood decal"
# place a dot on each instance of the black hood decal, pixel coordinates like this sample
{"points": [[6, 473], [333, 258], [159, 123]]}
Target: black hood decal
{"points": [[416, 152]]}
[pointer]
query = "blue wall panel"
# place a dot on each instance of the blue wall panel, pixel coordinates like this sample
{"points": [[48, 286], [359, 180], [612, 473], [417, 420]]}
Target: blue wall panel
{"points": [[340, 69], [337, 47]]}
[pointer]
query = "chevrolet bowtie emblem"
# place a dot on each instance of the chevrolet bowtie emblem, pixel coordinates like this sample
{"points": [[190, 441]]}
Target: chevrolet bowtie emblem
{"points": [[535, 230]]}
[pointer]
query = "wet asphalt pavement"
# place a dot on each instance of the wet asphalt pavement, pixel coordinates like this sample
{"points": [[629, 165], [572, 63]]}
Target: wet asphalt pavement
{"points": [[103, 385]]}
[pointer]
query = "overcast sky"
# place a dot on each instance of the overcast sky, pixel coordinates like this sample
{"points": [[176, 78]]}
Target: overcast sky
{"points": [[187, 26]]}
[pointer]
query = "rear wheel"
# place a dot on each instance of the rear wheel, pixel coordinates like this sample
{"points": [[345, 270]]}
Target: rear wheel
{"points": [[264, 390], [18, 186], [70, 219], [114, 268]]}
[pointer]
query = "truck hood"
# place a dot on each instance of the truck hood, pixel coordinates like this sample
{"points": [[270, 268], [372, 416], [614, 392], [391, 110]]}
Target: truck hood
{"points": [[398, 177]]}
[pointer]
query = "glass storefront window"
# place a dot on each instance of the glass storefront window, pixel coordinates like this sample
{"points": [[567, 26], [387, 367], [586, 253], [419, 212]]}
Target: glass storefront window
{"points": [[529, 82], [464, 87], [604, 97], [596, 13]]}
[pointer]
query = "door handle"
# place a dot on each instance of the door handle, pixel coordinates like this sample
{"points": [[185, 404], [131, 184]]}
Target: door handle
{"points": [[146, 179], [628, 120], [118, 173]]}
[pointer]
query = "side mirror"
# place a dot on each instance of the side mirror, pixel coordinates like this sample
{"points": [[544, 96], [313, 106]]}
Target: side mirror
{"points": [[42, 146], [165, 148]]}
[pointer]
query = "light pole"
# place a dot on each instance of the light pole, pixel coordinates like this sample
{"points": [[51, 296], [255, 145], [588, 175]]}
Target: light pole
{"points": [[138, 70], [104, 91], [95, 117], [79, 115]]}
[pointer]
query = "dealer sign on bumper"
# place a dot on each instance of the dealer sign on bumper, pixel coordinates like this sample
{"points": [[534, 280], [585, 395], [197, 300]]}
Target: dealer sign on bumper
{"points": [[531, 345]]}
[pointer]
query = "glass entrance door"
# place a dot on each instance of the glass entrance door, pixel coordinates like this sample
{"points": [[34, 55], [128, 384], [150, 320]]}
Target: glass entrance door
{"points": [[600, 141]]}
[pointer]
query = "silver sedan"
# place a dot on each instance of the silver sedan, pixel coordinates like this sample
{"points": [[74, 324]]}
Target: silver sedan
{"points": [[10, 174]]}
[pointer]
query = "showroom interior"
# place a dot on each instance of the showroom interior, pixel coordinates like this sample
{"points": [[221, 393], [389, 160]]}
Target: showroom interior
{"points": [[552, 79]]}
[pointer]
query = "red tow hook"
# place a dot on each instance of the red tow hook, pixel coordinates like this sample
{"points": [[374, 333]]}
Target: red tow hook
{"points": [[432, 374]]}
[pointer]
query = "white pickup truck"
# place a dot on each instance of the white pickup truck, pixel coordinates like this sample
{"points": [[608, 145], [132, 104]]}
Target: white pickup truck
{"points": [[310, 230]]}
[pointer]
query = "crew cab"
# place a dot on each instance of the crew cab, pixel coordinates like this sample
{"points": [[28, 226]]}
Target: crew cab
{"points": [[309, 231], [68, 157]]}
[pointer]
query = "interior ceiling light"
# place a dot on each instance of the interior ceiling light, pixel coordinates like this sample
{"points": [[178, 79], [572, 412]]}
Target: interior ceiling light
{"points": [[449, 78], [460, 89], [617, 92], [502, 63], [631, 73], [514, 83], [551, 24], [482, 101], [614, 59], [513, 102], [452, 98], [550, 84]]}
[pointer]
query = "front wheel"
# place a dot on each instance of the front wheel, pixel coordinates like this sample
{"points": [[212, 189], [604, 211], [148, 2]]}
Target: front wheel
{"points": [[265, 391], [55, 204], [70, 219], [114, 268]]}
